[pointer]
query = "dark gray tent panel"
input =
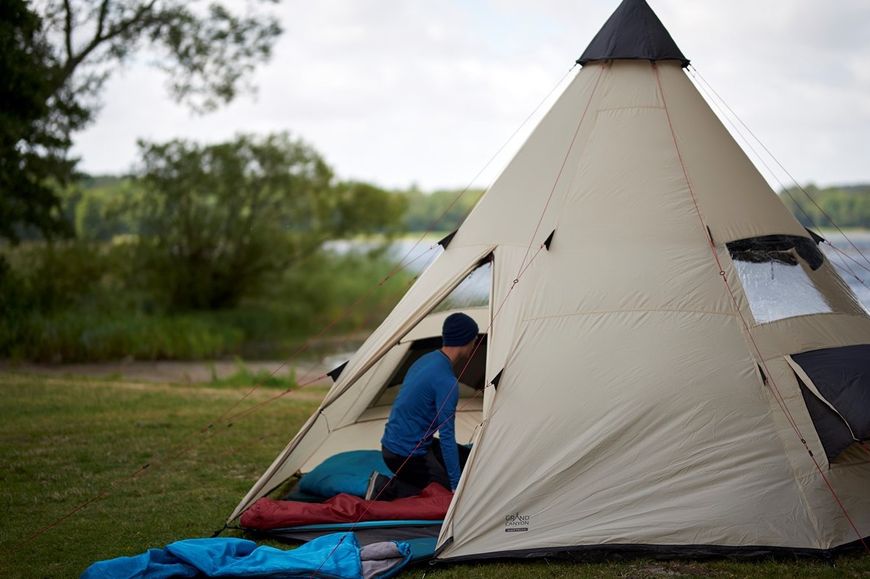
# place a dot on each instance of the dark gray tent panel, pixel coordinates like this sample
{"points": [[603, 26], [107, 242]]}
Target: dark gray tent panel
{"points": [[831, 428], [633, 32], [842, 377]]}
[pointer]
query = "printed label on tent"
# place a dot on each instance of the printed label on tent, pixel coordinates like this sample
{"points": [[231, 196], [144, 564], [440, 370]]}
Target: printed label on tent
{"points": [[516, 523]]}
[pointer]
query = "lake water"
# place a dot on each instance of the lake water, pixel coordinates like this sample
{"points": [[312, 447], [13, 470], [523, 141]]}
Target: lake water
{"points": [[852, 266]]}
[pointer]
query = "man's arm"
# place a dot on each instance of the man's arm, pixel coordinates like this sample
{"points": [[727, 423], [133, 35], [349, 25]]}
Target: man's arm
{"points": [[448, 397]]}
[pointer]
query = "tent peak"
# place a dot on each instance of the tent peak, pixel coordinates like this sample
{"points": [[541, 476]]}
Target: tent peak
{"points": [[633, 32]]}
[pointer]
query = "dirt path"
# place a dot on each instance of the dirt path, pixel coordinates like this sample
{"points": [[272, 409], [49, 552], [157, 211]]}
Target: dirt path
{"points": [[172, 372]]}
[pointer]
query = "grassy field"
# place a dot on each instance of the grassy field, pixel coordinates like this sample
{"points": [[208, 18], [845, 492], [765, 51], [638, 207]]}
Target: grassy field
{"points": [[65, 441]]}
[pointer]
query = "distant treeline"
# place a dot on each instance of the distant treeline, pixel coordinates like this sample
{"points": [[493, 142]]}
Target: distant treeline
{"points": [[845, 205], [92, 208], [439, 210], [95, 207]]}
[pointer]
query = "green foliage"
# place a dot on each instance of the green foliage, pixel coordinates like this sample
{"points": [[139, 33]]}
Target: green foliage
{"points": [[365, 208], [848, 206], [34, 130], [78, 301], [98, 208], [41, 280], [208, 51], [424, 209], [345, 291], [244, 376], [55, 58], [215, 220], [84, 301], [77, 336], [58, 275], [209, 251]]}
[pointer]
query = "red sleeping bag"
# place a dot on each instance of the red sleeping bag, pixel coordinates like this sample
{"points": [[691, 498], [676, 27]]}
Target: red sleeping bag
{"points": [[429, 505]]}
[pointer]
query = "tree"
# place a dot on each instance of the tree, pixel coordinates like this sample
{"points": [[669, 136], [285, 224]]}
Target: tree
{"points": [[216, 220], [445, 210], [206, 50], [60, 58], [33, 136], [843, 206]]}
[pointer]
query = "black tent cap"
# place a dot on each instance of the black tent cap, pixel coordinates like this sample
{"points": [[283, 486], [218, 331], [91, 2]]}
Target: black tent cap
{"points": [[633, 32], [336, 372]]}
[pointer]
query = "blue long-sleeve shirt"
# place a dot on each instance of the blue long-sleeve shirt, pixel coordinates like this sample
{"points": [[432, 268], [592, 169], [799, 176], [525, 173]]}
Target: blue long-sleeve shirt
{"points": [[430, 387]]}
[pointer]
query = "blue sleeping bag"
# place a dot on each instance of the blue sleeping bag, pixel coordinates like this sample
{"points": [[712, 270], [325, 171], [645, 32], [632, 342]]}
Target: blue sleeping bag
{"points": [[346, 472], [337, 555]]}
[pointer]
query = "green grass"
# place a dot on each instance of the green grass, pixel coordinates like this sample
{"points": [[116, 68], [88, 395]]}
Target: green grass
{"points": [[244, 376], [64, 441]]}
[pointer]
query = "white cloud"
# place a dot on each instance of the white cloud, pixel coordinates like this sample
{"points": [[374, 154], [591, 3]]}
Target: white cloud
{"points": [[401, 91]]}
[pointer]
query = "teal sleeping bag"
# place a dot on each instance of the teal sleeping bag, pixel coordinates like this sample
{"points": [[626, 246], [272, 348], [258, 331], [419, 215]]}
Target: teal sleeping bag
{"points": [[337, 555], [345, 472]]}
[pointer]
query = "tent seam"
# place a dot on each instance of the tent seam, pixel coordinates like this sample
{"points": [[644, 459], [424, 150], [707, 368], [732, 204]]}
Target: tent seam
{"points": [[633, 108], [651, 310]]}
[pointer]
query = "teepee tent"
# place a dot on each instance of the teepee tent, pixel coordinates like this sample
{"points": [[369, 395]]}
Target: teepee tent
{"points": [[672, 364]]}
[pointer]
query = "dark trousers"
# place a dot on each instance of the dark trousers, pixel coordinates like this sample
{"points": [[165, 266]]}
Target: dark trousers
{"points": [[414, 473]]}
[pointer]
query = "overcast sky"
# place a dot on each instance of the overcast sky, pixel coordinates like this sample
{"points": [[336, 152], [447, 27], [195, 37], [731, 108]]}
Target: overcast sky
{"points": [[417, 91]]}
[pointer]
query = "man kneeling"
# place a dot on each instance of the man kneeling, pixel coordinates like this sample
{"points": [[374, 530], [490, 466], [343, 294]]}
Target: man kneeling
{"points": [[427, 403]]}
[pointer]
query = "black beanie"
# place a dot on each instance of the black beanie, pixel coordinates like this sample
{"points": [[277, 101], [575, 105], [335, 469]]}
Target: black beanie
{"points": [[459, 329]]}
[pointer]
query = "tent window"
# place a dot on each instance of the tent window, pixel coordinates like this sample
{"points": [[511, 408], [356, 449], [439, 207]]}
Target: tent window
{"points": [[840, 405], [472, 292], [472, 377], [776, 271], [473, 374]]}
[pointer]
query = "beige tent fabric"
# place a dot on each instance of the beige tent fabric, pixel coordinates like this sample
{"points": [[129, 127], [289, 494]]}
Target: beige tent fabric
{"points": [[606, 463], [509, 210], [631, 384], [726, 182], [632, 407]]}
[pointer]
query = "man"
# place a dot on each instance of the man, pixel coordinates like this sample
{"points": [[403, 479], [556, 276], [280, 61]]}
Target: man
{"points": [[427, 403]]}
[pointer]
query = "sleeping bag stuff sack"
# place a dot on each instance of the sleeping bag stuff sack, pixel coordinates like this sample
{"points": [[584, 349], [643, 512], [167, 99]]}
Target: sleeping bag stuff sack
{"points": [[338, 555], [431, 505]]}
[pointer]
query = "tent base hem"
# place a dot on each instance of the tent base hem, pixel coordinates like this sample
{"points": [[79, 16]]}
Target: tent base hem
{"points": [[365, 533], [632, 551]]}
